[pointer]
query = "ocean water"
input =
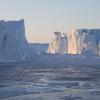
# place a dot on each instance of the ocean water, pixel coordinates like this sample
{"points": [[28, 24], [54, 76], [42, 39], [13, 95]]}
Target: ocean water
{"points": [[70, 83]]}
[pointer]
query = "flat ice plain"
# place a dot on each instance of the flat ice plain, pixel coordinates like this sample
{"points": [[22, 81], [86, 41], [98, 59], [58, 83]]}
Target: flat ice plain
{"points": [[31, 83]]}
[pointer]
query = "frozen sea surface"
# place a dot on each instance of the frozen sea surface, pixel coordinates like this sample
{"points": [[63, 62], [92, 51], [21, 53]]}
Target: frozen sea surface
{"points": [[70, 83]]}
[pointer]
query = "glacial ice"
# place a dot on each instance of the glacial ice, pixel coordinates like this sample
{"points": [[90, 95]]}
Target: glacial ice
{"points": [[59, 43], [79, 41], [84, 41], [13, 43]]}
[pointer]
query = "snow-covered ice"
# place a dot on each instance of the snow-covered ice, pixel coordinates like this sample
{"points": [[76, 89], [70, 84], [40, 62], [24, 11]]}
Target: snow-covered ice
{"points": [[68, 70], [70, 83], [39, 48]]}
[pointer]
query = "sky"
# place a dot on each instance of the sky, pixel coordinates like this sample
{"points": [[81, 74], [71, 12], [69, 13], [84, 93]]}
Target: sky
{"points": [[43, 17]]}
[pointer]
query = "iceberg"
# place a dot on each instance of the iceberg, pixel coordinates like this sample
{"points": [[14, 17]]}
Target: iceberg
{"points": [[84, 41], [59, 43], [13, 43], [79, 41], [71, 48]]}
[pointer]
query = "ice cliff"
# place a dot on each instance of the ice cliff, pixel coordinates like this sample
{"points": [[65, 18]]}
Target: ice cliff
{"points": [[59, 43], [13, 44], [79, 41]]}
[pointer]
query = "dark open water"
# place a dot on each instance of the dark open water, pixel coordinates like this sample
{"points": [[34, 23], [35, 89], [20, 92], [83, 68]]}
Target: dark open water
{"points": [[70, 83]]}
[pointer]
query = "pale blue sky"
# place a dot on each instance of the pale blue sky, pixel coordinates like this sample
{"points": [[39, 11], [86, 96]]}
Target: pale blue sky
{"points": [[43, 17]]}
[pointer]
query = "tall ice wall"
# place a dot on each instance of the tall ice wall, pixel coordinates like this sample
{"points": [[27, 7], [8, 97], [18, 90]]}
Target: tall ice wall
{"points": [[13, 45], [79, 41]]}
